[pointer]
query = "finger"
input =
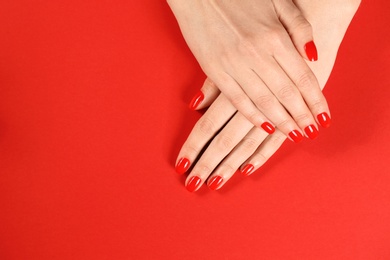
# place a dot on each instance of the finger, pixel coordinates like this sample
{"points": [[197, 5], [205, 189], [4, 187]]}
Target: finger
{"points": [[205, 129], [205, 96], [234, 160], [299, 29], [239, 99], [267, 101], [289, 96], [221, 145], [306, 82], [269, 146]]}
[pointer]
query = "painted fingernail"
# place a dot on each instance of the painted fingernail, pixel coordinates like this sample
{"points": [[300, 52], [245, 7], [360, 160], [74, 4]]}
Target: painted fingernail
{"points": [[196, 100], [193, 184], [248, 169], [311, 51], [311, 131], [324, 120], [215, 182], [296, 136], [182, 166], [268, 127]]}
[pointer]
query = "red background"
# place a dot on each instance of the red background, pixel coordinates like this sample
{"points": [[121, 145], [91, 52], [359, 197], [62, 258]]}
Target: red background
{"points": [[93, 111]]}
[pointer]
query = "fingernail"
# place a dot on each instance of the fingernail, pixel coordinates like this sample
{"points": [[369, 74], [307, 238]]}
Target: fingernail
{"points": [[193, 184], [311, 51], [268, 127], [311, 131], [324, 120], [196, 100], [247, 170], [296, 136], [182, 166], [215, 182]]}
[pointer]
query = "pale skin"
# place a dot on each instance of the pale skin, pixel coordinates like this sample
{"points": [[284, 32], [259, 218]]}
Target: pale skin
{"points": [[254, 51], [240, 144]]}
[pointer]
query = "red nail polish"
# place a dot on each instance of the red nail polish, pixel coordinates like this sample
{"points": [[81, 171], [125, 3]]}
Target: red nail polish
{"points": [[215, 182], [311, 51], [311, 131], [324, 120], [296, 136], [196, 100], [182, 166], [268, 127], [193, 184], [247, 170]]}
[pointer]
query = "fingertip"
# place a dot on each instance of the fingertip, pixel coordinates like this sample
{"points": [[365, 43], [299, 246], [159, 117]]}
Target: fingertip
{"points": [[247, 170], [196, 101], [215, 182], [182, 166], [193, 184], [296, 136], [311, 132], [311, 51], [270, 129], [210, 93], [324, 120]]}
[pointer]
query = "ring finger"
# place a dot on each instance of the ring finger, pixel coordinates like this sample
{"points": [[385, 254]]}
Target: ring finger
{"points": [[235, 158]]}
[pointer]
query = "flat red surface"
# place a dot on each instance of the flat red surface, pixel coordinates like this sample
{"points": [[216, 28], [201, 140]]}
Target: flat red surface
{"points": [[93, 111]]}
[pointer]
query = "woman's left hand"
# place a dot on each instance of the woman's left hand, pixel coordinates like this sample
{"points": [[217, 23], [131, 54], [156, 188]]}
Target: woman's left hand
{"points": [[235, 142]]}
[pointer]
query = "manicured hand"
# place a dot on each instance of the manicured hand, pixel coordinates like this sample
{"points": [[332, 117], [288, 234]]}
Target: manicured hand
{"points": [[229, 140], [254, 51]]}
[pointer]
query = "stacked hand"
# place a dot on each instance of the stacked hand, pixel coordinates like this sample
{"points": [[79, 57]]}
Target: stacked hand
{"points": [[254, 52], [246, 47]]}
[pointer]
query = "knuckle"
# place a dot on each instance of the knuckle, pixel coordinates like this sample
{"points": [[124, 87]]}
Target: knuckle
{"points": [[264, 102], [205, 169], [287, 93], [277, 140], [283, 123], [228, 169], [254, 117], [221, 78], [224, 142], [276, 35], [225, 54], [192, 149], [206, 126], [317, 105], [238, 99], [209, 85], [249, 144], [306, 81], [261, 158], [303, 118], [277, 38], [301, 24], [227, 57], [247, 46]]}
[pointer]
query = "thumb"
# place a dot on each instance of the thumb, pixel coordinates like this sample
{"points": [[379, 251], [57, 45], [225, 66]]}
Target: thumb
{"points": [[299, 29], [205, 96]]}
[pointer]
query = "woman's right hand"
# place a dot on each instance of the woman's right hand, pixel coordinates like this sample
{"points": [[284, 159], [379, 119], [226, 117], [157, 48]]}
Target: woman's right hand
{"points": [[252, 50]]}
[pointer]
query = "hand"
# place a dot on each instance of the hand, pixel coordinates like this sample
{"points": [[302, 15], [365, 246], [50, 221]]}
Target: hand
{"points": [[246, 47], [238, 143]]}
